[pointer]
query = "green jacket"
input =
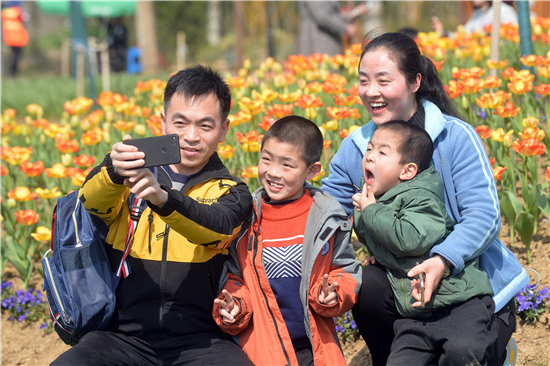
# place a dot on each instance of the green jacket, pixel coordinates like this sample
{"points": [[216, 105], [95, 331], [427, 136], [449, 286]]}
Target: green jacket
{"points": [[401, 228]]}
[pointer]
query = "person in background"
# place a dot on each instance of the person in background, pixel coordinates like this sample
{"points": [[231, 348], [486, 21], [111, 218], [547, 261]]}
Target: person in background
{"points": [[14, 33], [322, 25], [117, 39], [482, 16]]}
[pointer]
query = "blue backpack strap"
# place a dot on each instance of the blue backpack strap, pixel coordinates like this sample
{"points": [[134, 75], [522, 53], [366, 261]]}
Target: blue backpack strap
{"points": [[136, 206]]}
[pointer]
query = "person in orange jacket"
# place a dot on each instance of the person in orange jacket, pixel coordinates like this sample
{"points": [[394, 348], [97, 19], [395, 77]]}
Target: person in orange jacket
{"points": [[14, 34], [293, 266]]}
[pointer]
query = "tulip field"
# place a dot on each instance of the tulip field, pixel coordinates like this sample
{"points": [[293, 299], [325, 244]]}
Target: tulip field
{"points": [[42, 160]]}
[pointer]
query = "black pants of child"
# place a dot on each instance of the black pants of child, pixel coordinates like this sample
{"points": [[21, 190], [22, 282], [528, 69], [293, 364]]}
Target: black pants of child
{"points": [[106, 348], [375, 315]]}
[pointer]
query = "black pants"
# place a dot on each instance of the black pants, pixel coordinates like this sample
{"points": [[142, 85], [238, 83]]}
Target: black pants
{"points": [[106, 348], [375, 314]]}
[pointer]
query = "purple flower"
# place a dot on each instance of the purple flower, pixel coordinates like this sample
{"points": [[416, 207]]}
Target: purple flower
{"points": [[353, 325], [524, 306], [44, 325], [6, 284], [483, 114]]}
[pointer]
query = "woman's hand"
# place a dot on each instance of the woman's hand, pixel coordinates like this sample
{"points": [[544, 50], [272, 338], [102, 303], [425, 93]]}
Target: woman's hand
{"points": [[434, 269]]}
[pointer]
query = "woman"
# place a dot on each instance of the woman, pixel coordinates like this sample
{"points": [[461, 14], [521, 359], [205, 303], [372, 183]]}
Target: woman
{"points": [[397, 82]]}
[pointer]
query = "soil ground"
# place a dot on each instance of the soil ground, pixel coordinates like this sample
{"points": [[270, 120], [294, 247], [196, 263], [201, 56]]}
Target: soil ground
{"points": [[26, 344]]}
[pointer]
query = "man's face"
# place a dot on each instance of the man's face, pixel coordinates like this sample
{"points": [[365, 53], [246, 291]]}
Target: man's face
{"points": [[198, 124]]}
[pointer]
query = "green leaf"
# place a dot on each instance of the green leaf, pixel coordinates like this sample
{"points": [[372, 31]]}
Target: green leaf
{"points": [[543, 202], [525, 225], [510, 207]]}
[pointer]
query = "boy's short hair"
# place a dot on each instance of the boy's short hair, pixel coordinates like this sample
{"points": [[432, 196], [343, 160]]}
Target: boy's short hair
{"points": [[300, 132], [415, 145]]}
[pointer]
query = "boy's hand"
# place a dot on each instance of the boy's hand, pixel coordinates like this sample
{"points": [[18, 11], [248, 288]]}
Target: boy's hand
{"points": [[363, 199], [328, 295], [229, 308], [434, 270], [369, 260]]}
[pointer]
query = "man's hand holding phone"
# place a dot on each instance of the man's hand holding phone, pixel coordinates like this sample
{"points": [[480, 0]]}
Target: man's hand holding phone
{"points": [[126, 161]]}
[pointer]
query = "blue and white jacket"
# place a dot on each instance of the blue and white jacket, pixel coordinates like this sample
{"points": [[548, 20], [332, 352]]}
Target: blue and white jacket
{"points": [[470, 197]]}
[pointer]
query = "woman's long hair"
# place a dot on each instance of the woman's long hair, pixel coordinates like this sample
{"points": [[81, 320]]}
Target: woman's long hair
{"points": [[406, 55]]}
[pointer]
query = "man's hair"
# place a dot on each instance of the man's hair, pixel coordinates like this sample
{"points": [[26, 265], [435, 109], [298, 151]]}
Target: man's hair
{"points": [[415, 145], [299, 132], [199, 82]]}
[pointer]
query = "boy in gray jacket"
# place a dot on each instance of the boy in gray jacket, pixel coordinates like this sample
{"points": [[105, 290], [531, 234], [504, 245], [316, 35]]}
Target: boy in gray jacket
{"points": [[401, 215]]}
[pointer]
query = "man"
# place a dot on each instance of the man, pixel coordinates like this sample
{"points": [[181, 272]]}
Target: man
{"points": [[163, 313], [322, 26]]}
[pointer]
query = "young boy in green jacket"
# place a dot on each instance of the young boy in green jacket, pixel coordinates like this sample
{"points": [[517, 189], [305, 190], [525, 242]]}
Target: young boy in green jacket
{"points": [[400, 215]]}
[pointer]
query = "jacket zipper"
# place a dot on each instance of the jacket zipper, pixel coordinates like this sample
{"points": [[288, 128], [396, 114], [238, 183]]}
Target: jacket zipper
{"points": [[265, 296], [162, 280], [404, 294]]}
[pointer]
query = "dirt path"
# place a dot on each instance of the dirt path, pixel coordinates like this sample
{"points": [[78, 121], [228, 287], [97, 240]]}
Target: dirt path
{"points": [[29, 345]]}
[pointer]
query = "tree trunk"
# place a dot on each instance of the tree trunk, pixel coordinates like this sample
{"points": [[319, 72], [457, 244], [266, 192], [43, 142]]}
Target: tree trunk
{"points": [[147, 36]]}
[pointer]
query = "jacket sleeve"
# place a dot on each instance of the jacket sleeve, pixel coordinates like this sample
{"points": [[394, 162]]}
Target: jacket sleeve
{"points": [[408, 231], [231, 280], [344, 269], [103, 192], [345, 170], [469, 175], [212, 225]]}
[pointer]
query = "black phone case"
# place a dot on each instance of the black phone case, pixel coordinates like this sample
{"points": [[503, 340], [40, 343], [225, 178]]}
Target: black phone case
{"points": [[159, 150]]}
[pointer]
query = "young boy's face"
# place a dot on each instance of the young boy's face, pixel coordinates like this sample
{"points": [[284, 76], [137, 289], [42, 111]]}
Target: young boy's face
{"points": [[283, 170], [381, 166]]}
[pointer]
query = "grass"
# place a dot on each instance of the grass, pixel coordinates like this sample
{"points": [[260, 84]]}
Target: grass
{"points": [[51, 92]]}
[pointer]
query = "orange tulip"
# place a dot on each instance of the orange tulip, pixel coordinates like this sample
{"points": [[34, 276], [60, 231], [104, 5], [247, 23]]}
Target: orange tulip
{"points": [[543, 89], [250, 172], [308, 101], [3, 171], [529, 147], [331, 125], [92, 137], [77, 176], [290, 97], [520, 85], [253, 106], [236, 82], [472, 85], [46, 193], [502, 94], [498, 171], [474, 72], [484, 132], [124, 126], [154, 123], [250, 142], [327, 144], [79, 105], [16, 155], [226, 151], [267, 95], [496, 64], [344, 132], [489, 100], [548, 174], [41, 123], [58, 170], [544, 71], [532, 60], [455, 88], [353, 90], [279, 110], [84, 161], [508, 73], [26, 217], [21, 194], [333, 88], [508, 110], [347, 101], [314, 87], [338, 113], [32, 169], [67, 147], [492, 82], [530, 122], [532, 133], [35, 110], [42, 234], [492, 161]]}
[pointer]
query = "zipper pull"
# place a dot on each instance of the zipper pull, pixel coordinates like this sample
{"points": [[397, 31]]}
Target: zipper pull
{"points": [[66, 317]]}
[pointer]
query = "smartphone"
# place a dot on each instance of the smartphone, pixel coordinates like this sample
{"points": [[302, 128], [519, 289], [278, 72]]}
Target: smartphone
{"points": [[159, 150]]}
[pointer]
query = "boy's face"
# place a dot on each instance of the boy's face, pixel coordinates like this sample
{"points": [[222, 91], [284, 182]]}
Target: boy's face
{"points": [[282, 170], [381, 166]]}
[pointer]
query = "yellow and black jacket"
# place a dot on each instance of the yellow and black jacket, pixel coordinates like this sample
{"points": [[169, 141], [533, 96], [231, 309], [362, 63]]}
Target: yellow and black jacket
{"points": [[178, 249]]}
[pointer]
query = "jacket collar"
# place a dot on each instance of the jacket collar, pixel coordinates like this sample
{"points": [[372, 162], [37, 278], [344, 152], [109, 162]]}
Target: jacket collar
{"points": [[434, 124], [214, 169]]}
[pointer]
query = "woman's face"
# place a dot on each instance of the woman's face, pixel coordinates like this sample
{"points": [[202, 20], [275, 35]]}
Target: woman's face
{"points": [[384, 89]]}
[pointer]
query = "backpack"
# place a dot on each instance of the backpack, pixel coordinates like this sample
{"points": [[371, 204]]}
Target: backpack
{"points": [[78, 279]]}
